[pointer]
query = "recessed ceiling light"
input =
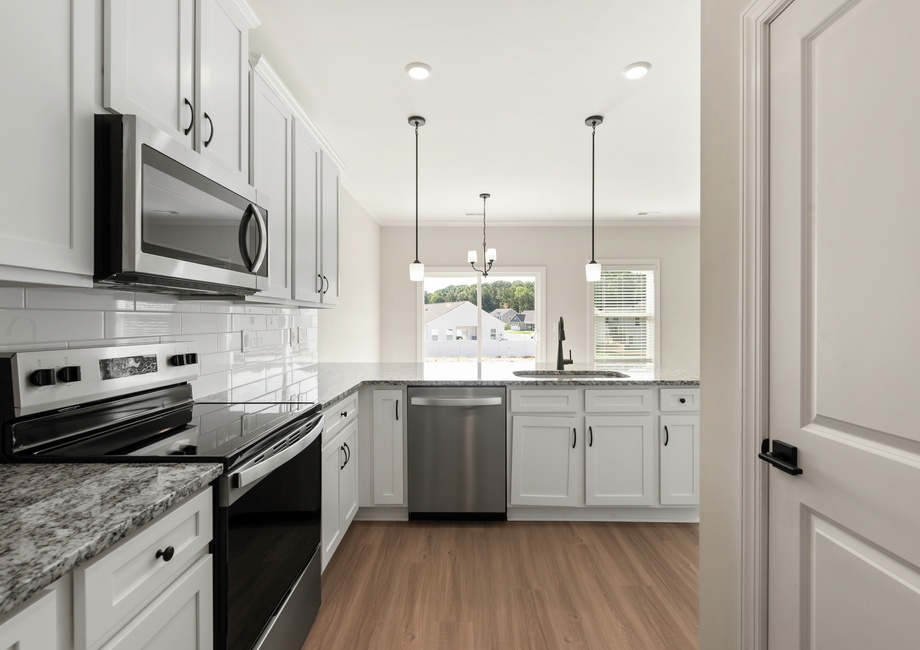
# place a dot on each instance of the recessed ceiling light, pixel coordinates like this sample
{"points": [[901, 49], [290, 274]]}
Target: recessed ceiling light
{"points": [[637, 69], [418, 70], [642, 214]]}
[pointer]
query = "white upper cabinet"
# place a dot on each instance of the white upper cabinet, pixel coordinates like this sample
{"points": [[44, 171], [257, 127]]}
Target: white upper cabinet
{"points": [[182, 65], [272, 127], [330, 231], [46, 127], [308, 277], [150, 63], [224, 87]]}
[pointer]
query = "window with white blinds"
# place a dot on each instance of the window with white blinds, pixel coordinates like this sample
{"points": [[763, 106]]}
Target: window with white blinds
{"points": [[624, 317]]}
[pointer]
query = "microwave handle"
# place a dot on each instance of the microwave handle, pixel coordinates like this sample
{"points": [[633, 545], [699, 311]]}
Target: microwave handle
{"points": [[263, 238], [253, 211]]}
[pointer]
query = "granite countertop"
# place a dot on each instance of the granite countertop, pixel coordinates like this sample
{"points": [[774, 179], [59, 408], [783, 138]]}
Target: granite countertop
{"points": [[55, 517], [337, 380]]}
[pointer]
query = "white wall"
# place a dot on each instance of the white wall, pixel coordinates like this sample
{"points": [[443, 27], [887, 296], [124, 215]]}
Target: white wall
{"points": [[564, 252], [720, 457], [351, 331], [62, 318]]}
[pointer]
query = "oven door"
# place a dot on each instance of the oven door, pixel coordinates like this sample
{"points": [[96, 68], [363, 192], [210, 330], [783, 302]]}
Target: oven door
{"points": [[272, 514]]}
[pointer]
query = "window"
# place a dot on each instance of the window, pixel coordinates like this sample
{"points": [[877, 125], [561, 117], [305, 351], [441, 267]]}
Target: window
{"points": [[492, 332], [450, 334], [624, 306], [434, 334]]}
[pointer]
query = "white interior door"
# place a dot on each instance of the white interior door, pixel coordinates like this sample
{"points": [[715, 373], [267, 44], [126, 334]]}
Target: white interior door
{"points": [[844, 541]]}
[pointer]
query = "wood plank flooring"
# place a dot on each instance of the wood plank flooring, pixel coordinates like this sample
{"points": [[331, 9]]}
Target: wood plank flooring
{"points": [[511, 586]]}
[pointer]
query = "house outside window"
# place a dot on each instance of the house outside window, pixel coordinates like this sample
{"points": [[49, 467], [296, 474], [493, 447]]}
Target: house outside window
{"points": [[492, 334], [624, 313], [450, 334], [434, 334]]}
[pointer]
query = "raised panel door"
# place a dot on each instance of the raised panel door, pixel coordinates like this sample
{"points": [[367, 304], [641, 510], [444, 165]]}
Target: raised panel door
{"points": [[619, 461], [46, 130], [544, 461], [150, 63], [308, 280], [223, 49], [680, 460], [272, 125]]}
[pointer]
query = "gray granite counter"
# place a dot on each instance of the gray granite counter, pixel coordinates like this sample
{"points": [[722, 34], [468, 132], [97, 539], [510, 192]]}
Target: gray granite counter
{"points": [[337, 380], [53, 517]]}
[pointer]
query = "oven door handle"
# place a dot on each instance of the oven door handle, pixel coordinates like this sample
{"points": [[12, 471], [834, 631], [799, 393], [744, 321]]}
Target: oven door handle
{"points": [[254, 473]]}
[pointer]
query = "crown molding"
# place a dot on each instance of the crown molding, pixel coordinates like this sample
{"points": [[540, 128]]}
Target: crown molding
{"points": [[248, 14]]}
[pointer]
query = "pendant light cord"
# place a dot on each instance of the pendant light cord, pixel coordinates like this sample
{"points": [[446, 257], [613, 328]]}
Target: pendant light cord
{"points": [[416, 193], [593, 127], [483, 230]]}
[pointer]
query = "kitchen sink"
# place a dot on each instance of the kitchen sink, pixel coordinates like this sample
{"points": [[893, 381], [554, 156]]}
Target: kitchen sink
{"points": [[570, 374]]}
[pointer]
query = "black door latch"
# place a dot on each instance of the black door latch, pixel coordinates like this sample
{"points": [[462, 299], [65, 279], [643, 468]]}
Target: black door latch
{"points": [[783, 457]]}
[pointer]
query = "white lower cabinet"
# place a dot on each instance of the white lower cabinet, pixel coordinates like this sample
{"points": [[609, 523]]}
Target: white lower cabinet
{"points": [[340, 488], [679, 437], [32, 627], [389, 417], [544, 461], [181, 618], [619, 461]]}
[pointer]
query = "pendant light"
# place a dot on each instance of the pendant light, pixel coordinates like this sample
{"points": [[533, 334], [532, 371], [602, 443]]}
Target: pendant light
{"points": [[488, 254], [416, 269], [592, 268]]}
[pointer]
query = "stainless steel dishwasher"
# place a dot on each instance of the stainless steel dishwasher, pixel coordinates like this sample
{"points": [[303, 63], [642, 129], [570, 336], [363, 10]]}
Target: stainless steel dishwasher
{"points": [[456, 447]]}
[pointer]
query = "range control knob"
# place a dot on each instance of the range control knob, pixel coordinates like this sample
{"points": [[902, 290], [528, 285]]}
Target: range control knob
{"points": [[177, 360], [69, 374], [191, 358], [43, 377]]}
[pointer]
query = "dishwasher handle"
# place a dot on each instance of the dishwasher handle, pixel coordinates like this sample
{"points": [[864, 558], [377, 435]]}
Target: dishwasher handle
{"points": [[456, 401]]}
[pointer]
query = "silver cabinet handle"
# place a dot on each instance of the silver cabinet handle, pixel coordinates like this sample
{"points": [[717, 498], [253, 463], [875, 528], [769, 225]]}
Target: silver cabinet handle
{"points": [[459, 401], [254, 473]]}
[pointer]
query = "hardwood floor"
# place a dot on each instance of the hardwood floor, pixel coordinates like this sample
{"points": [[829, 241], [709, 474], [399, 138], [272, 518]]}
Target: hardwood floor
{"points": [[511, 586]]}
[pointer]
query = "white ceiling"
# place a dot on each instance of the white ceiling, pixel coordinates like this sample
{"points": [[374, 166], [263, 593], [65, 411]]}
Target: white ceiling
{"points": [[512, 82]]}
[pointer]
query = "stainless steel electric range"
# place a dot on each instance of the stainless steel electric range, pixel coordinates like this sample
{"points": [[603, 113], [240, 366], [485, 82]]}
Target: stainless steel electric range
{"points": [[134, 404]]}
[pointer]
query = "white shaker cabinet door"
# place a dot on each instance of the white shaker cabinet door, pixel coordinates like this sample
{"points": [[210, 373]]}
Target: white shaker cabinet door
{"points": [[34, 627], [272, 127], [389, 468], [544, 461], [46, 131], [308, 275], [181, 618], [223, 54], [620, 461], [150, 63], [330, 231], [333, 459], [679, 437], [348, 477]]}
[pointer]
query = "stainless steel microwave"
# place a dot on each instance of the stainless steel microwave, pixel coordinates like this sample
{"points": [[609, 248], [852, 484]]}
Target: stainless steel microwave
{"points": [[169, 221]]}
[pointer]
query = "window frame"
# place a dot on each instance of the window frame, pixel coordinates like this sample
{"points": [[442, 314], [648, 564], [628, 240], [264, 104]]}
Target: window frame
{"points": [[653, 265], [539, 305]]}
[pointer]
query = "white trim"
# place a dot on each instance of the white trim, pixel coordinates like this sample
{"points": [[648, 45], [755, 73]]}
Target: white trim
{"points": [[248, 14], [539, 302], [755, 167], [554, 223], [628, 265], [268, 74]]}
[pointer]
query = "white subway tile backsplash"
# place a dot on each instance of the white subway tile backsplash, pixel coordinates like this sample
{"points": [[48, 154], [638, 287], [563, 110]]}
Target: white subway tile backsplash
{"points": [[229, 342], [261, 310], [210, 384], [12, 298], [99, 343], [216, 307], [205, 323], [248, 392], [204, 343], [247, 374], [119, 324], [249, 322], [39, 326], [258, 356], [157, 302], [79, 299], [217, 362]]}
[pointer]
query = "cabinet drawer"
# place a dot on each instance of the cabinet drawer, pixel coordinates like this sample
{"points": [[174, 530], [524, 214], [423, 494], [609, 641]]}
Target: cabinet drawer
{"points": [[339, 415], [621, 400], [680, 399], [544, 401], [130, 575]]}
